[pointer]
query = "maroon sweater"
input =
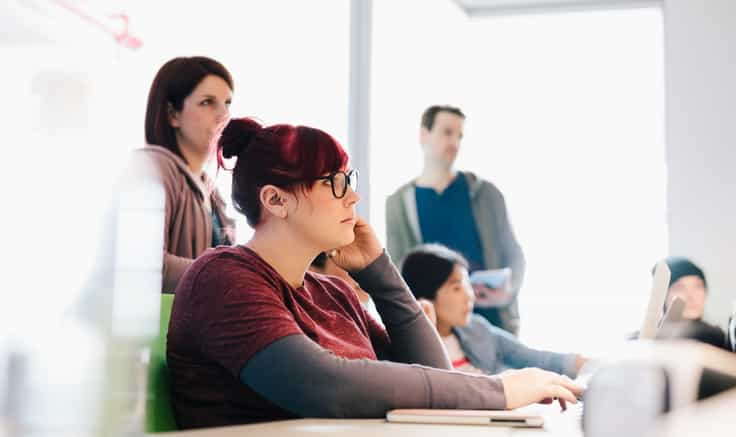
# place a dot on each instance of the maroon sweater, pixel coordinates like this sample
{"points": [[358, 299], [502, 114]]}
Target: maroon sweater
{"points": [[231, 304], [244, 347]]}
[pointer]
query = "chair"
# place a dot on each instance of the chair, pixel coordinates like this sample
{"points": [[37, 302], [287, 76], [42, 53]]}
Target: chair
{"points": [[159, 412]]}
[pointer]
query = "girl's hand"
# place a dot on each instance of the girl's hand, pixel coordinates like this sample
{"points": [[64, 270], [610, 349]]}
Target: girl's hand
{"points": [[491, 297], [428, 308]]}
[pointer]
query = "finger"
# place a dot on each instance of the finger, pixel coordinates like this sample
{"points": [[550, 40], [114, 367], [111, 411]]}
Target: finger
{"points": [[546, 401], [561, 392], [563, 404], [571, 385], [423, 305]]}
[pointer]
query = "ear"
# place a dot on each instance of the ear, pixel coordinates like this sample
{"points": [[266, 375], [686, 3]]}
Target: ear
{"points": [[423, 134], [273, 200], [173, 115]]}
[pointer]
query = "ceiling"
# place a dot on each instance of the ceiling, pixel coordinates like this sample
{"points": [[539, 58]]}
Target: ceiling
{"points": [[55, 22], [48, 21], [493, 7]]}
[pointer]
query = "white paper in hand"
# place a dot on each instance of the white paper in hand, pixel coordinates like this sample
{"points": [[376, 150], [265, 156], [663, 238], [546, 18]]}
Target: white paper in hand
{"points": [[495, 278]]}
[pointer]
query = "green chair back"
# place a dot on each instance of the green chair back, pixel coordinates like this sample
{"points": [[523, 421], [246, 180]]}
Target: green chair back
{"points": [[159, 412]]}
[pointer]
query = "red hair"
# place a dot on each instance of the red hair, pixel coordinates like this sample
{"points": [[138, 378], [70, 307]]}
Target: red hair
{"points": [[289, 157]]}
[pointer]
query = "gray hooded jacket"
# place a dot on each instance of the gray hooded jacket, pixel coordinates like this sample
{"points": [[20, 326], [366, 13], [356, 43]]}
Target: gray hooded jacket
{"points": [[500, 247]]}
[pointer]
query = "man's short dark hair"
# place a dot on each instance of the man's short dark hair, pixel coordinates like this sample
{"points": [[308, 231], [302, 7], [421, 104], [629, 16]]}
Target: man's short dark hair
{"points": [[430, 114]]}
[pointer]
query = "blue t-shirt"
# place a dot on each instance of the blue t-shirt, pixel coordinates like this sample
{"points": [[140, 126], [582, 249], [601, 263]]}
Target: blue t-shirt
{"points": [[218, 234], [447, 218]]}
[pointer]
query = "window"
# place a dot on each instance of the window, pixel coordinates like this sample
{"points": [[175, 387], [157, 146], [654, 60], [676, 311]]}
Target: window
{"points": [[565, 115], [78, 109]]}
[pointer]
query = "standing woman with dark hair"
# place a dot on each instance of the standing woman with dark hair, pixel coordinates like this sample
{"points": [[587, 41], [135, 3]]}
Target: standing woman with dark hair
{"points": [[255, 336], [188, 106]]}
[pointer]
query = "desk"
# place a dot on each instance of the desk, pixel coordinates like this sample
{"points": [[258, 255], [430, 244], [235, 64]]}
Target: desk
{"points": [[556, 425], [711, 417]]}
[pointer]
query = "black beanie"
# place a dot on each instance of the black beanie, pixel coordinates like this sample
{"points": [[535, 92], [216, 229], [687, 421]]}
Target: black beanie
{"points": [[427, 267], [681, 267]]}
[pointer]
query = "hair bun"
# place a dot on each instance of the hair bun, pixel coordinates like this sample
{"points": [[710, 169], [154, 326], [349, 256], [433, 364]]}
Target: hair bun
{"points": [[237, 135]]}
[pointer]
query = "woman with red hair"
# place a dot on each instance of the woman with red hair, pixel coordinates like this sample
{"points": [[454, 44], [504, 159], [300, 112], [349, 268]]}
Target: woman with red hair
{"points": [[255, 336]]}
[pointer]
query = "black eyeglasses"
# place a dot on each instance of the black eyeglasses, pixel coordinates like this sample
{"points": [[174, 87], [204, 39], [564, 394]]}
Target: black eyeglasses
{"points": [[340, 181]]}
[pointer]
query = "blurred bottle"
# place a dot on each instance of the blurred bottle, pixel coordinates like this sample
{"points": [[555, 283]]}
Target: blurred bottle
{"points": [[136, 300], [625, 399], [84, 374]]}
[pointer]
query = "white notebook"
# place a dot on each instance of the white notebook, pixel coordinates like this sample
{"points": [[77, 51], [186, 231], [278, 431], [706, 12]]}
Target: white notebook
{"points": [[467, 417]]}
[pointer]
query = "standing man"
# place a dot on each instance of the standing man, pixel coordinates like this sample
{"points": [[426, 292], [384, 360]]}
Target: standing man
{"points": [[461, 211]]}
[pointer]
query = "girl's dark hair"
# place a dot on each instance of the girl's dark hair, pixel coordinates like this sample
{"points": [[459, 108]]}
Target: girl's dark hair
{"points": [[427, 267], [173, 83], [320, 261], [289, 157]]}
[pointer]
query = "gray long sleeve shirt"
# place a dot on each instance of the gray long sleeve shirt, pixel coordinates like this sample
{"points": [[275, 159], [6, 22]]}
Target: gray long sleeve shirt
{"points": [[494, 350], [321, 384]]}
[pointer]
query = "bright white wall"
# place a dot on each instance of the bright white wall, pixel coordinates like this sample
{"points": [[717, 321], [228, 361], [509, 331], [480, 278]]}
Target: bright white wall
{"points": [[700, 71]]}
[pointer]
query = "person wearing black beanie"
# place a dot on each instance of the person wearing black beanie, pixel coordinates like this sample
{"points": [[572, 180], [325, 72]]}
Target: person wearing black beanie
{"points": [[687, 282]]}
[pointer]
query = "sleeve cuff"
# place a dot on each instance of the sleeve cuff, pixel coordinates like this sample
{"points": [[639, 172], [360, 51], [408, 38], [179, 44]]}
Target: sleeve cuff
{"points": [[378, 274], [568, 365]]}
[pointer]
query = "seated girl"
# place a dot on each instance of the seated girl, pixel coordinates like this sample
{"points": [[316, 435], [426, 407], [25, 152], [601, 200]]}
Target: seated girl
{"points": [[439, 276], [254, 336]]}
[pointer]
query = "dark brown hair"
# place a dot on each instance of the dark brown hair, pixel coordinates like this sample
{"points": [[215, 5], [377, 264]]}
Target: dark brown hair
{"points": [[175, 81], [430, 114]]}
